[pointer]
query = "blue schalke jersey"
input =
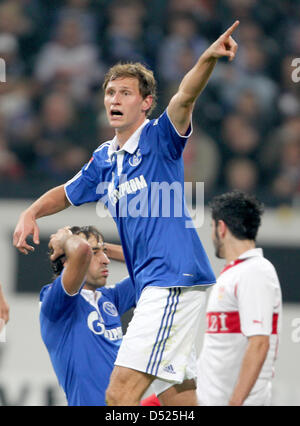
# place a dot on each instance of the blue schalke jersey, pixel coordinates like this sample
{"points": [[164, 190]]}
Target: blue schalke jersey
{"points": [[83, 334], [142, 185]]}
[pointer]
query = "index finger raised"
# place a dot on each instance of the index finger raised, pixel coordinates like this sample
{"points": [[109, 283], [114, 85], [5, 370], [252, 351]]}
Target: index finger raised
{"points": [[231, 29]]}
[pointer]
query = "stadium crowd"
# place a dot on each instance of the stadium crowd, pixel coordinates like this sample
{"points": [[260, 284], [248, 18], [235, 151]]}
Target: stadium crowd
{"points": [[246, 122]]}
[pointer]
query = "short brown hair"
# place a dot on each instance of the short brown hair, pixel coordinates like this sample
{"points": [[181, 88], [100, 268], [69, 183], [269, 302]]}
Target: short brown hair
{"points": [[87, 231], [147, 83]]}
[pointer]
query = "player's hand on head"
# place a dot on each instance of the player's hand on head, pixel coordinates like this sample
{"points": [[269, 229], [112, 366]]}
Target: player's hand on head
{"points": [[63, 232], [26, 226], [225, 45], [57, 241]]}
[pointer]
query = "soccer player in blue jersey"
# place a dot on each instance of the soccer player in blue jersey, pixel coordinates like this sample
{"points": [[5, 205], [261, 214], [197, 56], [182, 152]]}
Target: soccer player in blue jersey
{"points": [[79, 317], [164, 256]]}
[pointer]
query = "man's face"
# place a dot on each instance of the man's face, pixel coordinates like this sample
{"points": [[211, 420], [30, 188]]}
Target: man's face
{"points": [[98, 270], [217, 241], [124, 104]]}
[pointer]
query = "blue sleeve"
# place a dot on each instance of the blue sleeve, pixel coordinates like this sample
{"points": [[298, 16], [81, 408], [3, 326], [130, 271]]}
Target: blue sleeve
{"points": [[170, 142], [83, 187], [55, 302], [123, 294]]}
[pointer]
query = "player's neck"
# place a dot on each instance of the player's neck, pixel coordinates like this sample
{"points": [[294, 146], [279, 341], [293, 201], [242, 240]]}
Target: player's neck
{"points": [[123, 134], [235, 248], [90, 287]]}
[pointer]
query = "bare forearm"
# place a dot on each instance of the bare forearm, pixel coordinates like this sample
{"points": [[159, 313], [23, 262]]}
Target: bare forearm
{"points": [[50, 203], [76, 248], [182, 103], [253, 360], [115, 251], [196, 79], [78, 253]]}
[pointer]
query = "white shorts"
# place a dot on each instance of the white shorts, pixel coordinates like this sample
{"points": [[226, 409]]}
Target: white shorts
{"points": [[160, 338]]}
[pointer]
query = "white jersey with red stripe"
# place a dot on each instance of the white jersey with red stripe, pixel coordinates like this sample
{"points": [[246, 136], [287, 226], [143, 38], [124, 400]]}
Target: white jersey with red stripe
{"points": [[246, 301]]}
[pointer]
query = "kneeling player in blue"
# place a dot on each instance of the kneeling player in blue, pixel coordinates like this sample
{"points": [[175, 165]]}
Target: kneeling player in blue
{"points": [[79, 317]]}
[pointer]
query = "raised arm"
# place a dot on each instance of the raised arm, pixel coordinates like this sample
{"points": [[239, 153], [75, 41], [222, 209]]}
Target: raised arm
{"points": [[115, 252], [78, 255], [50, 203], [181, 105]]}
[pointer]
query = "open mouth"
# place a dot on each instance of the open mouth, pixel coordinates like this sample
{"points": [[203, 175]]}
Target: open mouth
{"points": [[116, 113]]}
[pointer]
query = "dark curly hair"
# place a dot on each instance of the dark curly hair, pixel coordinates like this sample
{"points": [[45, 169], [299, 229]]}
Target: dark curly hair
{"points": [[240, 211], [57, 265]]}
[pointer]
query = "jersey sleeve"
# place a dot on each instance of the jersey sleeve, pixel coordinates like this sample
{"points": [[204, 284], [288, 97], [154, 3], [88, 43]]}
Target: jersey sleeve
{"points": [[256, 301], [124, 295], [55, 301], [171, 143], [82, 188]]}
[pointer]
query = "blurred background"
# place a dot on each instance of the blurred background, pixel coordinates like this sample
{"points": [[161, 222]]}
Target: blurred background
{"points": [[246, 136]]}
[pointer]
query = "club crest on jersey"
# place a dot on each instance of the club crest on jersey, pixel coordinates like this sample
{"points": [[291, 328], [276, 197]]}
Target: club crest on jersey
{"points": [[136, 158], [110, 309]]}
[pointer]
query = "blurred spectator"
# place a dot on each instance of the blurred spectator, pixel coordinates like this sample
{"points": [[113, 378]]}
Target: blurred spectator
{"points": [[199, 8], [242, 174], [57, 119], [246, 122], [10, 167], [69, 59], [248, 74], [289, 98], [81, 12], [13, 19], [16, 107], [239, 137], [286, 184], [124, 34], [240, 8], [293, 40], [249, 109], [9, 52], [62, 161], [180, 49], [201, 159]]}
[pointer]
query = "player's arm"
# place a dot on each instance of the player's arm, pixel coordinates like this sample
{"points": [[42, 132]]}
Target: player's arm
{"points": [[181, 105], [4, 308], [50, 203], [78, 256], [252, 363], [115, 252]]}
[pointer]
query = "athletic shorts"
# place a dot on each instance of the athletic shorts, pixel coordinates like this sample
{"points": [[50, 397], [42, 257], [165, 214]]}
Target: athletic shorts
{"points": [[160, 339]]}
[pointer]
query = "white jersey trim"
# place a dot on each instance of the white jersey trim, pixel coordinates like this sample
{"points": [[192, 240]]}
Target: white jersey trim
{"points": [[182, 136]]}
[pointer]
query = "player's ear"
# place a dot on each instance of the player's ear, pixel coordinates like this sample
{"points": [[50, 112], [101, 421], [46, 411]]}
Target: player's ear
{"points": [[222, 228], [147, 103]]}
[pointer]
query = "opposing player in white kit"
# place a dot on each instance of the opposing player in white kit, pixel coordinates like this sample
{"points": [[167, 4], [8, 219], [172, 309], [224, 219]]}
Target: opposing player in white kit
{"points": [[165, 258], [243, 312]]}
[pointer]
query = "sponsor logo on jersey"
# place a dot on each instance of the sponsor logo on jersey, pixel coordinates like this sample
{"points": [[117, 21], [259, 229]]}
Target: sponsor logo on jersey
{"points": [[97, 327], [128, 187], [110, 309], [229, 322]]}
